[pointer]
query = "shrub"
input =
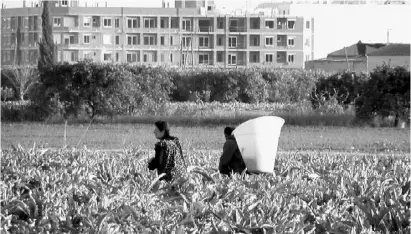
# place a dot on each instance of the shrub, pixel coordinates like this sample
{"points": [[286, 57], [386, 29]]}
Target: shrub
{"points": [[17, 111], [386, 93], [345, 87]]}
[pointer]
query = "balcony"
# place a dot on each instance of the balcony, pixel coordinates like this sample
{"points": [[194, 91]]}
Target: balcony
{"points": [[205, 25], [237, 29], [281, 57], [205, 28], [281, 41]]}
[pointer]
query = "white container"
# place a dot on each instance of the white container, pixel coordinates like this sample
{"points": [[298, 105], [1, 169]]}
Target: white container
{"points": [[257, 140]]}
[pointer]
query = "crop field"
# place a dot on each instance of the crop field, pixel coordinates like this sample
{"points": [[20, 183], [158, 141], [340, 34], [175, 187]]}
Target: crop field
{"points": [[326, 180]]}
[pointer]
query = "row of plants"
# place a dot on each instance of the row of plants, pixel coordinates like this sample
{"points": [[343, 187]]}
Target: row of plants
{"points": [[81, 191], [97, 89]]}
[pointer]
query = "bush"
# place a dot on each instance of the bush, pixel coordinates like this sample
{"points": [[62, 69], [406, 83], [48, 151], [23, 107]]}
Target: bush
{"points": [[289, 85], [345, 87], [22, 111], [386, 93]]}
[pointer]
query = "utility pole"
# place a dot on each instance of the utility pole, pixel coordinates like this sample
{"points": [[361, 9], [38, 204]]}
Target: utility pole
{"points": [[388, 36]]}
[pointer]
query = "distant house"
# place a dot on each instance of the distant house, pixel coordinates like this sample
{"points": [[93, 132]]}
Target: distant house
{"points": [[393, 54], [362, 57]]}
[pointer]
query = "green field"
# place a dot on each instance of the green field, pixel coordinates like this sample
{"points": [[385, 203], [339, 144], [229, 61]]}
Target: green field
{"points": [[120, 136], [326, 180]]}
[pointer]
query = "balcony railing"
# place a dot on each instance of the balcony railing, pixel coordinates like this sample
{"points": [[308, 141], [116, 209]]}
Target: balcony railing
{"points": [[205, 28], [237, 29]]}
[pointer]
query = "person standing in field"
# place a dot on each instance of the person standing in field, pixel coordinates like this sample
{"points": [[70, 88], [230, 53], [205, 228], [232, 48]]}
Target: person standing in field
{"points": [[169, 157], [231, 161]]}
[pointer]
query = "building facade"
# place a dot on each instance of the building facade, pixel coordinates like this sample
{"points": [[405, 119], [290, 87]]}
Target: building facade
{"points": [[182, 37]]}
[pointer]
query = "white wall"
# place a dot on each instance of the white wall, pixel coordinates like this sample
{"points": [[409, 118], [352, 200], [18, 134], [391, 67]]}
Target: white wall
{"points": [[374, 61]]}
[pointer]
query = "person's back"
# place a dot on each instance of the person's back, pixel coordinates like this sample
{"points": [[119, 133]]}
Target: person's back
{"points": [[231, 159]]}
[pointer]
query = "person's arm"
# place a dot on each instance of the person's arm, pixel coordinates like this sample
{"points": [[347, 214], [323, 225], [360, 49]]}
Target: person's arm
{"points": [[181, 152], [228, 151], [155, 162]]}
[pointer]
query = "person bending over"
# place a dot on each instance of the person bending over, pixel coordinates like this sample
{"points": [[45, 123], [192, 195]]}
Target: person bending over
{"points": [[231, 160], [168, 154]]}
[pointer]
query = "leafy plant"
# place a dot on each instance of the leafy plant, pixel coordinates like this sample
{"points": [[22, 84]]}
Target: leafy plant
{"points": [[386, 93]]}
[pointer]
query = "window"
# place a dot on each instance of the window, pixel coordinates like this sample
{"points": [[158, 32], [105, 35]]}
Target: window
{"points": [[56, 38], [149, 23], [131, 57], [86, 39], [232, 42], [269, 23], [307, 24], [307, 57], [175, 22], [87, 21], [269, 41], [203, 41], [88, 55], [73, 40], [117, 57], [279, 56], [269, 58], [234, 26], [22, 38], [73, 56], [131, 23], [219, 56], [161, 57], [57, 22], [58, 56], [186, 25], [254, 56], [117, 22], [255, 23], [107, 39], [186, 41], [64, 3], [117, 40], [255, 40], [107, 22], [26, 22], [132, 40], [164, 23], [203, 59], [162, 40], [184, 58], [171, 57], [232, 59], [149, 40], [171, 40], [290, 58], [290, 24], [145, 57], [220, 23], [307, 42], [107, 56], [291, 42], [220, 41]]}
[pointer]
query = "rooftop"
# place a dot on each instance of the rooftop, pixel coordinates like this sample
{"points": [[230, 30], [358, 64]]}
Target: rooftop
{"points": [[356, 50], [392, 50]]}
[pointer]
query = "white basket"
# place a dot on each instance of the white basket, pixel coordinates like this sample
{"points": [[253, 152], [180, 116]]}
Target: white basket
{"points": [[257, 140]]}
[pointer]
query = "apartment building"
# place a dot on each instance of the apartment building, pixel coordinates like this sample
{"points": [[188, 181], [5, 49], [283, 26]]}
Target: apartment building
{"points": [[184, 37]]}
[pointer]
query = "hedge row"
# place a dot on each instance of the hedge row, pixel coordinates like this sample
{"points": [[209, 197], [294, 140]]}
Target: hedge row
{"points": [[114, 89]]}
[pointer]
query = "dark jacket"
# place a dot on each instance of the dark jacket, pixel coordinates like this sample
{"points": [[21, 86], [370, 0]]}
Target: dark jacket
{"points": [[168, 159], [231, 159]]}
